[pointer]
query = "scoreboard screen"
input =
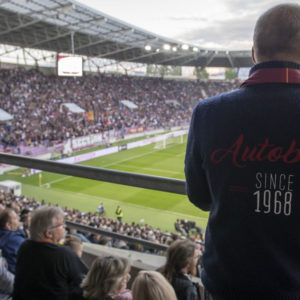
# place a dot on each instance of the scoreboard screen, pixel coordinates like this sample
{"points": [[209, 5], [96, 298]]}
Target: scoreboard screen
{"points": [[69, 65]]}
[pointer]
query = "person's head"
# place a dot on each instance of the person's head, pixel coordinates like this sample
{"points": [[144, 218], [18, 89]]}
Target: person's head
{"points": [[9, 220], [277, 34], [75, 243], [181, 258], [106, 278], [47, 224], [25, 218], [151, 285]]}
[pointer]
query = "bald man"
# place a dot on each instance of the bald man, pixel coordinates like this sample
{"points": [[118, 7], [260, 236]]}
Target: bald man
{"points": [[243, 165]]}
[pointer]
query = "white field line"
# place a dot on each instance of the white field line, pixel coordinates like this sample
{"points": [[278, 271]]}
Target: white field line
{"points": [[107, 165], [57, 180], [180, 154], [152, 169], [99, 199]]}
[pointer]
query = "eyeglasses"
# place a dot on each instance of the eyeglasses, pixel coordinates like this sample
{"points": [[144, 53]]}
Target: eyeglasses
{"points": [[57, 225]]}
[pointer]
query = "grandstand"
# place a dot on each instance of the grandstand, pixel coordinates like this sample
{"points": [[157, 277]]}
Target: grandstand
{"points": [[75, 119]]}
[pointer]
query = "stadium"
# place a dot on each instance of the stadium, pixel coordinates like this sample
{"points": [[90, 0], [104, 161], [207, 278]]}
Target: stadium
{"points": [[98, 114], [94, 117]]}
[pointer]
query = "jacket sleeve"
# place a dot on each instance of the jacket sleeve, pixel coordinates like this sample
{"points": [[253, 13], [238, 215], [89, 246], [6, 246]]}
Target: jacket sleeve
{"points": [[196, 183], [6, 279], [15, 241], [191, 293]]}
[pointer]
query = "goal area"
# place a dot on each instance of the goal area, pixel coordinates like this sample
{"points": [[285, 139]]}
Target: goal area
{"points": [[164, 140]]}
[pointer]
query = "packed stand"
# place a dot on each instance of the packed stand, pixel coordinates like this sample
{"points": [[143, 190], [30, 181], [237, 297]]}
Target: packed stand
{"points": [[35, 101]]}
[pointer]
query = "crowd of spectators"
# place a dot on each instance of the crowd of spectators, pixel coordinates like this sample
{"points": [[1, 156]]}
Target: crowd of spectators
{"points": [[25, 205], [41, 235], [35, 102]]}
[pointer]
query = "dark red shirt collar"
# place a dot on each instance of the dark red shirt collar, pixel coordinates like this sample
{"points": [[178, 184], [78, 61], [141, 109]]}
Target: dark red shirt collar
{"points": [[273, 72]]}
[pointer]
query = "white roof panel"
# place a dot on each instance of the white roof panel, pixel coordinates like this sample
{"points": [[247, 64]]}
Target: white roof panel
{"points": [[5, 116]]}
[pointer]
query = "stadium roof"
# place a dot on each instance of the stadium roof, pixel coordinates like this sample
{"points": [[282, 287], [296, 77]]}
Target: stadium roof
{"points": [[66, 26]]}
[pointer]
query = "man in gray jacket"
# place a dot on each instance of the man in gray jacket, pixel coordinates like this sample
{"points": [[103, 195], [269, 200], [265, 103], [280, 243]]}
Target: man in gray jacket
{"points": [[6, 281]]}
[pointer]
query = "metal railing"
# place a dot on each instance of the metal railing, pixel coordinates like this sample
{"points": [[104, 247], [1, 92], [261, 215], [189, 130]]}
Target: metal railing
{"points": [[115, 235], [157, 183]]}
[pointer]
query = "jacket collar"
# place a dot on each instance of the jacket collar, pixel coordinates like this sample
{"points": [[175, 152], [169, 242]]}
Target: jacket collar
{"points": [[273, 72]]}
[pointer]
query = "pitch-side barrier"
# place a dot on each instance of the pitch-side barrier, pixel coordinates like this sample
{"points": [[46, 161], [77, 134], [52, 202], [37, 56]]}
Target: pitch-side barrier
{"points": [[115, 235]]}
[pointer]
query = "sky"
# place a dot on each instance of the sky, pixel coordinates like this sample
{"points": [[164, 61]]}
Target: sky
{"points": [[211, 24]]}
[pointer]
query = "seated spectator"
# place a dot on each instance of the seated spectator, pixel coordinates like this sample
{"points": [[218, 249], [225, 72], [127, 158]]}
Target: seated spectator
{"points": [[107, 279], [6, 281], [182, 257], [10, 237], [74, 232], [25, 221], [45, 270], [151, 285], [75, 243]]}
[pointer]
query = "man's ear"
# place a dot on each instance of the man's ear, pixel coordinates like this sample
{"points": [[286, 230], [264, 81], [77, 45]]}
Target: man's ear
{"points": [[7, 226], [48, 234], [253, 55]]}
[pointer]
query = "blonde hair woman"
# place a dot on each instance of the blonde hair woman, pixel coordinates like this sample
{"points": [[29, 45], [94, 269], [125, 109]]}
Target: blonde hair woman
{"points": [[107, 279], [151, 285]]}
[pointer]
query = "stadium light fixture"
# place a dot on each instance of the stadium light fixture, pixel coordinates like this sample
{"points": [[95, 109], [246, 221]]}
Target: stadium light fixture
{"points": [[100, 21], [157, 50], [126, 31], [195, 49], [167, 47], [147, 47], [67, 8], [185, 47], [174, 49]]}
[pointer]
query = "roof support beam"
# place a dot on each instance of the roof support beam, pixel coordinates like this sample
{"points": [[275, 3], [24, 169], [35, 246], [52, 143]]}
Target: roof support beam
{"points": [[173, 58], [230, 60], [210, 59]]}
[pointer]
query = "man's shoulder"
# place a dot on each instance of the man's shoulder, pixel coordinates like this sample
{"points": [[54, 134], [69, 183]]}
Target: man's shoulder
{"points": [[66, 253], [4, 235], [9, 236], [219, 99], [42, 246]]}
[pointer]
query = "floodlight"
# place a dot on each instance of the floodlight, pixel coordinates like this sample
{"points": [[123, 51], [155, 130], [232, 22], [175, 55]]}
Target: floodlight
{"points": [[167, 47], [195, 49], [185, 47], [174, 49], [148, 47]]}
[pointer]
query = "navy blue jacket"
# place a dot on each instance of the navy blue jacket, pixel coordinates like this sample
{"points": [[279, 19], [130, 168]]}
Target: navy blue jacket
{"points": [[243, 164], [10, 241]]}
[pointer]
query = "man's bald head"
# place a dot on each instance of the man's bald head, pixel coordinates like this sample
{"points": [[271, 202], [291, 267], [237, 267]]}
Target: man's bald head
{"points": [[277, 34]]}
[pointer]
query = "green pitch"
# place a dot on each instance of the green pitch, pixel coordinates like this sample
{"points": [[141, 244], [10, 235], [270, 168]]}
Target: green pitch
{"points": [[158, 209]]}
